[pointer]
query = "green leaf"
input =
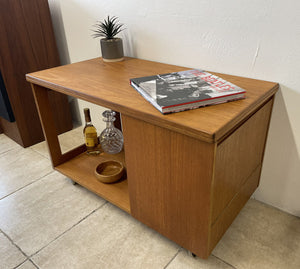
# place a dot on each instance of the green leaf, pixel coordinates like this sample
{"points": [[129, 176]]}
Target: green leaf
{"points": [[109, 28]]}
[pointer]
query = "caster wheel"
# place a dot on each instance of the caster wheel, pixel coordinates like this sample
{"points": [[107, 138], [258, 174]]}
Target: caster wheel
{"points": [[73, 182], [191, 254]]}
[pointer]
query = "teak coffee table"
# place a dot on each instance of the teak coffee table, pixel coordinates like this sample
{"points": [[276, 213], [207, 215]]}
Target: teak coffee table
{"points": [[189, 173]]}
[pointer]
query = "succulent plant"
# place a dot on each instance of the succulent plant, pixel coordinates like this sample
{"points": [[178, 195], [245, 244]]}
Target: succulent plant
{"points": [[108, 29]]}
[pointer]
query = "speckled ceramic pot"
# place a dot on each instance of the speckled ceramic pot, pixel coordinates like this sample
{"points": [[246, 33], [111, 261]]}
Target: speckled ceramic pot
{"points": [[112, 49]]}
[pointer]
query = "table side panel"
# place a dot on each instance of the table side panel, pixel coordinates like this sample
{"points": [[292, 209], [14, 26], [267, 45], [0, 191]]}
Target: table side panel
{"points": [[169, 182], [47, 119], [237, 157], [233, 208]]}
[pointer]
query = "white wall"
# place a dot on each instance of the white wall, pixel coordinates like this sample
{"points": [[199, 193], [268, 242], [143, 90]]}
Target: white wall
{"points": [[258, 39]]}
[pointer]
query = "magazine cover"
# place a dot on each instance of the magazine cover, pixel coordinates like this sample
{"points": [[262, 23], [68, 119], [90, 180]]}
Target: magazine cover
{"points": [[183, 90]]}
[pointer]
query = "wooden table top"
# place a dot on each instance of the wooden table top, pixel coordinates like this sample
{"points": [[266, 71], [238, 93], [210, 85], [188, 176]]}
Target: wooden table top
{"points": [[107, 84]]}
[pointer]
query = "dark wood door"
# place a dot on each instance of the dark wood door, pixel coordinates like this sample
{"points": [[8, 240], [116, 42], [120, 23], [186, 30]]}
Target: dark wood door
{"points": [[27, 44]]}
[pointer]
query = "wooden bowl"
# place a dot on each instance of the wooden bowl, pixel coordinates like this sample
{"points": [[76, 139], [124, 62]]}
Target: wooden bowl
{"points": [[109, 171]]}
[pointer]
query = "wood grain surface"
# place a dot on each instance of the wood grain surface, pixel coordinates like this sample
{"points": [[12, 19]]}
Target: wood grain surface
{"points": [[169, 178], [107, 84], [189, 173], [237, 157], [27, 44], [81, 169], [228, 215]]}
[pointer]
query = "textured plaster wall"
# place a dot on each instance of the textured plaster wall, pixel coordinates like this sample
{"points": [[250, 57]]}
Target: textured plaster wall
{"points": [[258, 39]]}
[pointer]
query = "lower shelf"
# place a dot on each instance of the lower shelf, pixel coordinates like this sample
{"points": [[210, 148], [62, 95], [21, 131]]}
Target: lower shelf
{"points": [[81, 170]]}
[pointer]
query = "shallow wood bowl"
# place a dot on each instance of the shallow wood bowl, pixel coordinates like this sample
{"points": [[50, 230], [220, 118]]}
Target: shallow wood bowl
{"points": [[109, 171]]}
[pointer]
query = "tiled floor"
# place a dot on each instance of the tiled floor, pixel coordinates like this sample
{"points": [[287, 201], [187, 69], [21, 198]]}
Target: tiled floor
{"points": [[47, 222]]}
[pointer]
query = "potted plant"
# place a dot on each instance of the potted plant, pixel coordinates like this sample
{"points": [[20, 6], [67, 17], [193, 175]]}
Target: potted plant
{"points": [[111, 46]]}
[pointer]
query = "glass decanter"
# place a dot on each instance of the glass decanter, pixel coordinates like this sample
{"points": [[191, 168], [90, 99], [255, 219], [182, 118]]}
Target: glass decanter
{"points": [[111, 138]]}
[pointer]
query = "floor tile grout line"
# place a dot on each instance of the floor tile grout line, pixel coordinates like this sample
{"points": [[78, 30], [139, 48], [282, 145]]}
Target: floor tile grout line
{"points": [[223, 261], [15, 245], [70, 228], [173, 258], [21, 263], [33, 263], [38, 179], [38, 152], [6, 151], [28, 259]]}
